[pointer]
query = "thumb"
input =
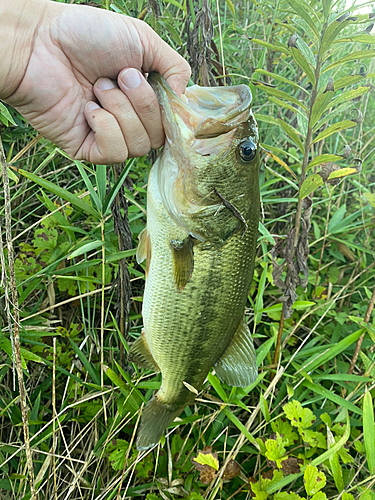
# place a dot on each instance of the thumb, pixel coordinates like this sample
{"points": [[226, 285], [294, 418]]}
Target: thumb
{"points": [[159, 56]]}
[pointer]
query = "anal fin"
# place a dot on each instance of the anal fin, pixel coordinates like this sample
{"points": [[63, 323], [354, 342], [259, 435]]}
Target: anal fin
{"points": [[140, 354], [237, 366]]}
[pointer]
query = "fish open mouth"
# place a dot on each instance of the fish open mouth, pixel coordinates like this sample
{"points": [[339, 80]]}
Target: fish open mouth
{"points": [[202, 112]]}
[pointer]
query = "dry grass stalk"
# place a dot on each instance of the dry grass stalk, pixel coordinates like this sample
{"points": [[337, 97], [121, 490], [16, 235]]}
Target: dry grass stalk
{"points": [[14, 326]]}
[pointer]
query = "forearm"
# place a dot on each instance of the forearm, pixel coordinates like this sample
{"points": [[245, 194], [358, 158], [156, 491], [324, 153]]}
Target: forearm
{"points": [[19, 21]]}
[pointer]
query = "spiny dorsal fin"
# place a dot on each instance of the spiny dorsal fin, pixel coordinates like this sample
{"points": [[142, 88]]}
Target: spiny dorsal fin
{"points": [[183, 261], [140, 354], [144, 249], [238, 366]]}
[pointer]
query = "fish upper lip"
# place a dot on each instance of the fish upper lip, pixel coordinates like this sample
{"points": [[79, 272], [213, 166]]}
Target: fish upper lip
{"points": [[206, 111]]}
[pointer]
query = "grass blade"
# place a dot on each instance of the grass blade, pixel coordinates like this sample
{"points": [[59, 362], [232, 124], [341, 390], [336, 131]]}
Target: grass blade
{"points": [[369, 431]]}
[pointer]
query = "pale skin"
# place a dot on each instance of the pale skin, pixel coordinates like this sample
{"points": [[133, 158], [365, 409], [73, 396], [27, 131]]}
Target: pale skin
{"points": [[76, 73]]}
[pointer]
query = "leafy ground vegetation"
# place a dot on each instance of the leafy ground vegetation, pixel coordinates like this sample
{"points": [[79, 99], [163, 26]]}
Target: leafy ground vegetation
{"points": [[305, 428]]}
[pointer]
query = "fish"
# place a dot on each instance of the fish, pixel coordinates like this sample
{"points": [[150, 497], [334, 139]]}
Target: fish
{"points": [[199, 244]]}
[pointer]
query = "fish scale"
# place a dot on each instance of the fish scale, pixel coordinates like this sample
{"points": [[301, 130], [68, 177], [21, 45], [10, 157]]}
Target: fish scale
{"points": [[200, 255]]}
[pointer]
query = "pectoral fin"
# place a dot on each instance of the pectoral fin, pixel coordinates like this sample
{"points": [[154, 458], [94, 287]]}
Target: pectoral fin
{"points": [[144, 249], [140, 354], [237, 366], [183, 260]]}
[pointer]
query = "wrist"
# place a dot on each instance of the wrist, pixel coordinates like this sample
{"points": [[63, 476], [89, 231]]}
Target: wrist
{"points": [[19, 21]]}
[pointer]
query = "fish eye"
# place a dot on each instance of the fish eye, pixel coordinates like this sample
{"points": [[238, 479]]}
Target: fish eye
{"points": [[247, 150]]}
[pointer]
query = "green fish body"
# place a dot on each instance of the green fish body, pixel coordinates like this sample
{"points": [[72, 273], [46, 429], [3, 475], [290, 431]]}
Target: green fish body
{"points": [[200, 240]]}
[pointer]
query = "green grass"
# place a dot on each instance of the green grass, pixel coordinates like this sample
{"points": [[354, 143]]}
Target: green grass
{"points": [[306, 426]]}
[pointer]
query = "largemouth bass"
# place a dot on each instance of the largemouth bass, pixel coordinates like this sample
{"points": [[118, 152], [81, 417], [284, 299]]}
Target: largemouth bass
{"points": [[200, 239]]}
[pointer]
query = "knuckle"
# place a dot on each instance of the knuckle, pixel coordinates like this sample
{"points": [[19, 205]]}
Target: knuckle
{"points": [[148, 105]]}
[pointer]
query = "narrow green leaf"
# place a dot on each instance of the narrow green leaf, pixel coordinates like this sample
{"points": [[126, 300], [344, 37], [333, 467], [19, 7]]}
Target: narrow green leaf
{"points": [[285, 105], [279, 93], [239, 426], [101, 181], [342, 172], [58, 216], [357, 38], [117, 186], [114, 257], [360, 55], [336, 127], [264, 408], [292, 133], [320, 106], [266, 119], [87, 247], [5, 112], [216, 384], [369, 431], [89, 367], [306, 52], [88, 184], [335, 462], [63, 193], [264, 349], [12, 175], [280, 162], [323, 159], [331, 33], [267, 45], [334, 350], [259, 300], [349, 95], [280, 78], [310, 184], [301, 61], [307, 14], [343, 82], [325, 393]]}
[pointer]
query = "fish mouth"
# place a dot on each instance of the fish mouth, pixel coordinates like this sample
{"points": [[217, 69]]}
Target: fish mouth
{"points": [[202, 112]]}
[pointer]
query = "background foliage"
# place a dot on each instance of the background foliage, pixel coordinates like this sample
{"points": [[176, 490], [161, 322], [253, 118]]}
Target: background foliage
{"points": [[305, 428]]}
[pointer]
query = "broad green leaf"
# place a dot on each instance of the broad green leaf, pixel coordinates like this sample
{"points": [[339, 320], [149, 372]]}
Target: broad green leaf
{"points": [[292, 133], [267, 45], [342, 172], [323, 159], [347, 496], [307, 14], [275, 450], [319, 495], [279, 93], [63, 193], [370, 197], [280, 78], [299, 416], [320, 106], [300, 59], [360, 55], [309, 185], [336, 127], [207, 459], [287, 496], [114, 257], [335, 462], [357, 38], [369, 431], [313, 479]]}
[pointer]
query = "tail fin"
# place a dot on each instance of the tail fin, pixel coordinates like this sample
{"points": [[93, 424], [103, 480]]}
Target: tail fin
{"points": [[155, 419]]}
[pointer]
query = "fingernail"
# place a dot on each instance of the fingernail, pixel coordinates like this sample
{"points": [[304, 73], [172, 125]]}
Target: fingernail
{"points": [[92, 105], [131, 78], [105, 84]]}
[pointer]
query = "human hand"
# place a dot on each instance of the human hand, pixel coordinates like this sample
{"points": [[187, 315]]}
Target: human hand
{"points": [[77, 55]]}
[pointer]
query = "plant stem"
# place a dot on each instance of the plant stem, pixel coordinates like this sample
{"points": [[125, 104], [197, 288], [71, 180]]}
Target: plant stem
{"points": [[14, 326]]}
